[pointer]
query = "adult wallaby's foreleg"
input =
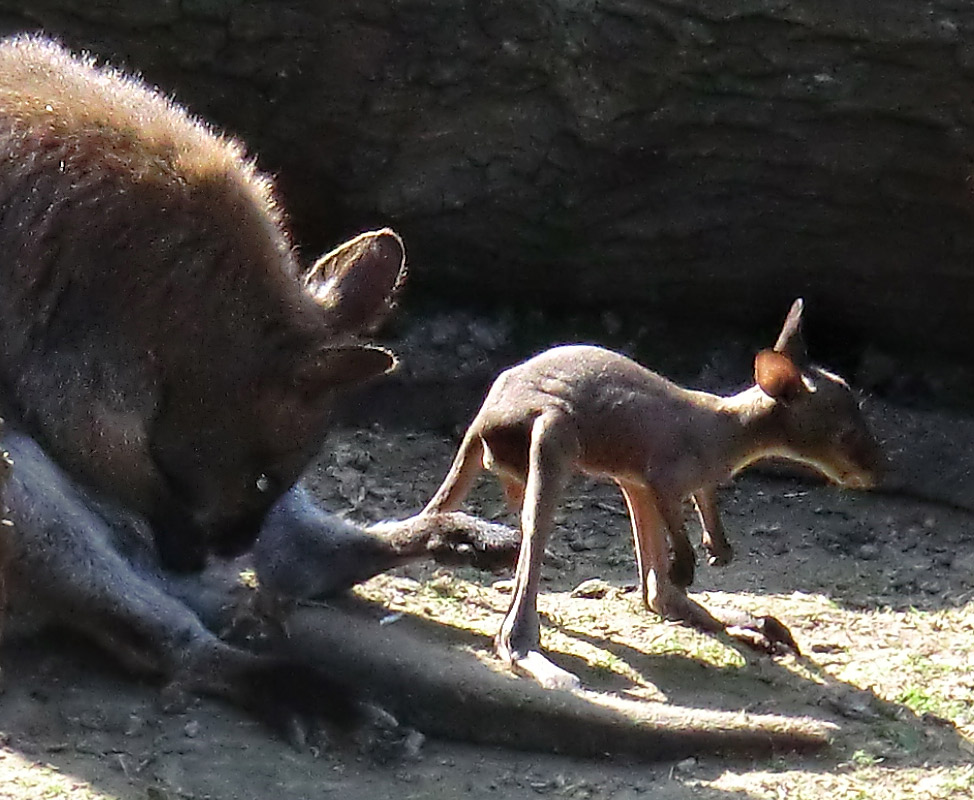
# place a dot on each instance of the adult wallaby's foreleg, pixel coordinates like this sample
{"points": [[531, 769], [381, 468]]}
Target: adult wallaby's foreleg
{"points": [[305, 552], [66, 570], [458, 482]]}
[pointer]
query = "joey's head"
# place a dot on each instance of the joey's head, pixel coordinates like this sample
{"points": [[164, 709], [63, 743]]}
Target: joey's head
{"points": [[816, 418], [228, 451]]}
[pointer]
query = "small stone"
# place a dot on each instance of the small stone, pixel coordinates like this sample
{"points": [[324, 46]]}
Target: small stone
{"points": [[593, 589], [192, 729], [868, 552], [134, 725]]}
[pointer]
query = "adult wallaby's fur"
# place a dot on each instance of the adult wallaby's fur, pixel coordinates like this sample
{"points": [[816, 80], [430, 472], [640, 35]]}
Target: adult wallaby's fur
{"points": [[159, 338], [581, 408], [166, 368]]}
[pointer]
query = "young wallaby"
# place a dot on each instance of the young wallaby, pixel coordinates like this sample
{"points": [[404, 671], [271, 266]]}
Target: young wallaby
{"points": [[582, 408]]}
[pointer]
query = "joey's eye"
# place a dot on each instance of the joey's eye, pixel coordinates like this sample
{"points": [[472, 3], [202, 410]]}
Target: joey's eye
{"points": [[263, 483]]}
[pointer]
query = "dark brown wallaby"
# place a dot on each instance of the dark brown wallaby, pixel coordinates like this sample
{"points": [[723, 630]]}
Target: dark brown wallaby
{"points": [[167, 367], [582, 408]]}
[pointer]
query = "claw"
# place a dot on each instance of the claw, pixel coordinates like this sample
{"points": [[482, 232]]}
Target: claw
{"points": [[384, 739], [174, 698]]}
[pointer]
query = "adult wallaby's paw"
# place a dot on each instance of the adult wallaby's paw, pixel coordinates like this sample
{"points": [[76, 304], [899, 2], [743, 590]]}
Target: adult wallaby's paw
{"points": [[462, 539], [296, 700], [383, 739], [311, 710]]}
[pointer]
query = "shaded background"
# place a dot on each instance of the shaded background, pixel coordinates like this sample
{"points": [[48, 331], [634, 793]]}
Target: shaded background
{"points": [[696, 163]]}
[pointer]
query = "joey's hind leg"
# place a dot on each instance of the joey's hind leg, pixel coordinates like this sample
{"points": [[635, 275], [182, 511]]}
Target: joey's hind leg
{"points": [[552, 453], [652, 517], [651, 534]]}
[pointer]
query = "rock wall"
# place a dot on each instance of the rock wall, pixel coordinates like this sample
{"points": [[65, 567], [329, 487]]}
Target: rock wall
{"points": [[700, 158]]}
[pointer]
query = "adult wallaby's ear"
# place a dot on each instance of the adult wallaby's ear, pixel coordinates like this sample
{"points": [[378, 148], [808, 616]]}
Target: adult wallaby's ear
{"points": [[339, 367], [356, 283], [777, 375], [790, 340]]}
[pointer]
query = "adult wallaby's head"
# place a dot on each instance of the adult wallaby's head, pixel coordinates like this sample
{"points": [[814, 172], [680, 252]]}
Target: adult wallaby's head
{"points": [[817, 413], [228, 454]]}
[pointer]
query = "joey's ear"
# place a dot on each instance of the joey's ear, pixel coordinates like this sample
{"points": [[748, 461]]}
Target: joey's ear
{"points": [[777, 375], [356, 283], [790, 340], [338, 367]]}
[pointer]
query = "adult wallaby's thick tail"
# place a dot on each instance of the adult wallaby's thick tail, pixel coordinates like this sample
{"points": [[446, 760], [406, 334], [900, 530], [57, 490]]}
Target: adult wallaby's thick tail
{"points": [[460, 479], [449, 694]]}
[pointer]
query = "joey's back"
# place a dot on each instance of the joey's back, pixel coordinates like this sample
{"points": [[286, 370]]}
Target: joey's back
{"points": [[628, 419]]}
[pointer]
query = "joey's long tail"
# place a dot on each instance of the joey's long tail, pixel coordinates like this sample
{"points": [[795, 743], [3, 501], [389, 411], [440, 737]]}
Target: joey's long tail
{"points": [[459, 480]]}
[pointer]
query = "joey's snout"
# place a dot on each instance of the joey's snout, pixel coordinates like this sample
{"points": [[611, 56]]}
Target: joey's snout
{"points": [[867, 464]]}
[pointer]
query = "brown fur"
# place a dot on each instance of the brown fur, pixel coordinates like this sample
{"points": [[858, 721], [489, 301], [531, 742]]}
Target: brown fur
{"points": [[159, 337], [165, 366], [586, 409]]}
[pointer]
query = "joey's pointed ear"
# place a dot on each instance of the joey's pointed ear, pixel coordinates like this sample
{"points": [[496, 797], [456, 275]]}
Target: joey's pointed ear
{"points": [[338, 367], [790, 340], [356, 283], [777, 375]]}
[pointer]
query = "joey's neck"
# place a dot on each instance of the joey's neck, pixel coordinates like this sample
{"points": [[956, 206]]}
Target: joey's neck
{"points": [[746, 429]]}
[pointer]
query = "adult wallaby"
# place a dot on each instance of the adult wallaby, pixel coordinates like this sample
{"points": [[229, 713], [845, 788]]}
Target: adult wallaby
{"points": [[582, 408], [166, 368]]}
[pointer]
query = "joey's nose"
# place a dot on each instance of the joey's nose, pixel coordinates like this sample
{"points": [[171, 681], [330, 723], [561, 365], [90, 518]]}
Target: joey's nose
{"points": [[869, 472], [861, 480]]}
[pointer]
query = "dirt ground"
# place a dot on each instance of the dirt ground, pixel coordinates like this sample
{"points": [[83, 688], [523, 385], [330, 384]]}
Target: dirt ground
{"points": [[878, 590]]}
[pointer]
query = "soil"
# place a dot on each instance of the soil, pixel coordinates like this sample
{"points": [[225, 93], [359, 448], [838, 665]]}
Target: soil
{"points": [[877, 589]]}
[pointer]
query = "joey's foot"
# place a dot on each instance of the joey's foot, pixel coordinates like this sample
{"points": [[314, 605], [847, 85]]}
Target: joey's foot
{"points": [[469, 541], [673, 604], [535, 665], [527, 660], [766, 634]]}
